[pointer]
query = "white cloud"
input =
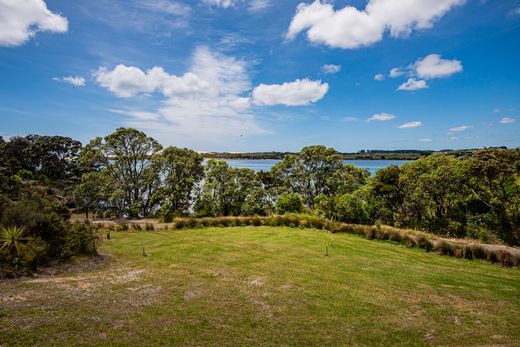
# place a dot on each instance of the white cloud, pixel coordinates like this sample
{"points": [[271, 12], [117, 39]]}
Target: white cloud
{"points": [[433, 66], [396, 72], [425, 140], [220, 3], [206, 106], [22, 19], [379, 77], [507, 120], [77, 81], [297, 93], [331, 68], [210, 104], [381, 117], [409, 125], [497, 110], [515, 11], [413, 84], [349, 119], [127, 81], [351, 28], [461, 128]]}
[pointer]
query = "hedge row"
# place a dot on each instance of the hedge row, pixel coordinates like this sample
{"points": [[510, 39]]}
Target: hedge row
{"points": [[410, 238]]}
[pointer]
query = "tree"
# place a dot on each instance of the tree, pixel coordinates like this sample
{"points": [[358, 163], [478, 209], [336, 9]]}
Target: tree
{"points": [[91, 191], [495, 184], [308, 172], [434, 190], [230, 191], [387, 191], [181, 169], [55, 156], [128, 157]]}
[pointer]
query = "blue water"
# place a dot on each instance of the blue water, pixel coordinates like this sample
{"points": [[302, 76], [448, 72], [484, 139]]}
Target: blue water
{"points": [[266, 164]]}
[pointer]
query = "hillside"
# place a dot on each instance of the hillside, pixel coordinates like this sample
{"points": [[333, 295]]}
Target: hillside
{"points": [[264, 286]]}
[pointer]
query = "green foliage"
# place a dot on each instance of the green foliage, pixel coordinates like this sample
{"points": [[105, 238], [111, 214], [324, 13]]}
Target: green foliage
{"points": [[309, 172], [289, 203], [92, 191], [182, 169], [11, 239], [230, 191], [128, 158], [36, 230]]}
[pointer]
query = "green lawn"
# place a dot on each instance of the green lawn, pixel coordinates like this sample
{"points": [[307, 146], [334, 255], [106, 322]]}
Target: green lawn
{"points": [[264, 286]]}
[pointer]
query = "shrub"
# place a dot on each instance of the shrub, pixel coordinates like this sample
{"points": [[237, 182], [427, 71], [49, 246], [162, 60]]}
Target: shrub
{"points": [[289, 203]]}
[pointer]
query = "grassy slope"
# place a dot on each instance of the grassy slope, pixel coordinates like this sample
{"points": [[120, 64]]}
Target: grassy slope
{"points": [[269, 286]]}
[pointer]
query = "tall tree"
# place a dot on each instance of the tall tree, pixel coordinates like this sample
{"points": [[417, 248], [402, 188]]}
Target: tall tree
{"points": [[181, 169], [128, 156], [230, 191], [308, 173]]}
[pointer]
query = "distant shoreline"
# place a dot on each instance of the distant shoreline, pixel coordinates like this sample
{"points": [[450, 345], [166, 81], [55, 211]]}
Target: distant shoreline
{"points": [[361, 155]]}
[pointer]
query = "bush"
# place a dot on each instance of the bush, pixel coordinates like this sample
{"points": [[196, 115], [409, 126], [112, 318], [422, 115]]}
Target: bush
{"points": [[289, 203]]}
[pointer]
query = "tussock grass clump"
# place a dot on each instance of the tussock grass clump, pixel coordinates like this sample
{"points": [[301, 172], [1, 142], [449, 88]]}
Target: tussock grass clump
{"points": [[424, 243]]}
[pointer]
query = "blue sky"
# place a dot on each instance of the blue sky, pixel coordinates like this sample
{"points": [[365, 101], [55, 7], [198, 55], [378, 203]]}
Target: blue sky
{"points": [[255, 75]]}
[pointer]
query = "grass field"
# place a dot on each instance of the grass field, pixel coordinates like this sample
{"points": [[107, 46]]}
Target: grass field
{"points": [[263, 286]]}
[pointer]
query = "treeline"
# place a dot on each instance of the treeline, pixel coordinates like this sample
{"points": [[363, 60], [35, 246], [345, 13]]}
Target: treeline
{"points": [[365, 155], [128, 174], [375, 154]]}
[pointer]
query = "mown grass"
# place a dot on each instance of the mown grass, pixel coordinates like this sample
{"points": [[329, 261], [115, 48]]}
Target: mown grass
{"points": [[265, 286]]}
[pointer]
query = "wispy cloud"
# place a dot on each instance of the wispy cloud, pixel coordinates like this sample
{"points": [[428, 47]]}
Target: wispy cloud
{"points": [[77, 81], [409, 125], [331, 68], [259, 5], [381, 117], [461, 128], [507, 120]]}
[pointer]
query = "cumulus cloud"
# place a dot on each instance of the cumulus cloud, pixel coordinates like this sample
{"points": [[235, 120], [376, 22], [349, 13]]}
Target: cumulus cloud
{"points": [[350, 27], [77, 81], [22, 19], [379, 77], [127, 81], [461, 128], [331, 68], [413, 84], [409, 125], [210, 104], [207, 105], [381, 117], [507, 120], [297, 93], [433, 66], [396, 72]]}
